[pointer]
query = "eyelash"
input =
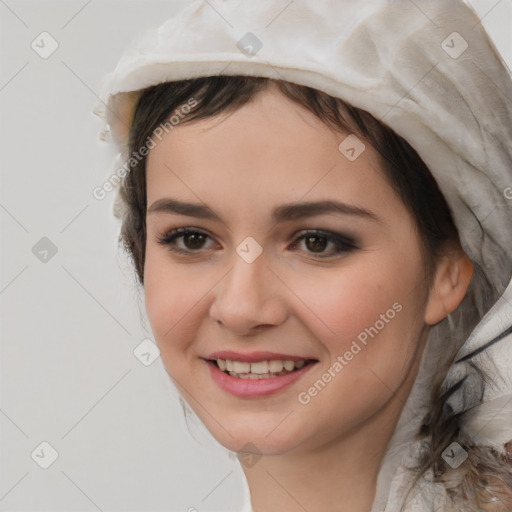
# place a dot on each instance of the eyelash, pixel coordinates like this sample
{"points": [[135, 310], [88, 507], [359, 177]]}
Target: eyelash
{"points": [[343, 243]]}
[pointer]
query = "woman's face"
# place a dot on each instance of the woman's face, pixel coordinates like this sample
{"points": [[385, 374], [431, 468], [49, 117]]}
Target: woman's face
{"points": [[351, 308]]}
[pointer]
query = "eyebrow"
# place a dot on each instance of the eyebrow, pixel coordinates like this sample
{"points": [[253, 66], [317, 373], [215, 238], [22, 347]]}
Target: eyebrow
{"points": [[285, 212]]}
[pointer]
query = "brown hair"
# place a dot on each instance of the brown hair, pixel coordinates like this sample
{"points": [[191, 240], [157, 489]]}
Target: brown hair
{"points": [[405, 170]]}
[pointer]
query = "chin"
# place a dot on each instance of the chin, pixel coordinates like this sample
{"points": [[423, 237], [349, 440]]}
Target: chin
{"points": [[268, 433]]}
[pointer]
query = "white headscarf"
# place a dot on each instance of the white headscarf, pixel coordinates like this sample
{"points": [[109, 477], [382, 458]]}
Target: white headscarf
{"points": [[428, 70]]}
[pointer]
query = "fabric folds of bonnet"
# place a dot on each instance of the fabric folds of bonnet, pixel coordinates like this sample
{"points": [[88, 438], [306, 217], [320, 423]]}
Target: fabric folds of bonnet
{"points": [[425, 68]]}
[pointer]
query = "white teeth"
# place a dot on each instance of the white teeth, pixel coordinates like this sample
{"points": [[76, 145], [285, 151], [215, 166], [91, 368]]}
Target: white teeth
{"points": [[258, 369], [289, 365], [275, 366], [240, 367]]}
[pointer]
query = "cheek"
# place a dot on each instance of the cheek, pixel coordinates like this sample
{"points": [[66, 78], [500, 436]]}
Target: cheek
{"points": [[369, 354], [348, 302], [370, 325], [172, 298]]}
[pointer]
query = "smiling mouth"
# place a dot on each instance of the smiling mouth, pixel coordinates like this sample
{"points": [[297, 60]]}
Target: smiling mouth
{"points": [[260, 369]]}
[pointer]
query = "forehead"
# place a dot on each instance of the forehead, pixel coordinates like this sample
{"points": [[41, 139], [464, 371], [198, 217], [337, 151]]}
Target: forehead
{"points": [[270, 125], [269, 150]]}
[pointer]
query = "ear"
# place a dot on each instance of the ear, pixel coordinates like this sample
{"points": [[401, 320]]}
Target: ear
{"points": [[451, 281]]}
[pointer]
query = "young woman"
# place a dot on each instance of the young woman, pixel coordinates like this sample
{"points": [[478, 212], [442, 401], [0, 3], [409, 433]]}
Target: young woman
{"points": [[317, 202]]}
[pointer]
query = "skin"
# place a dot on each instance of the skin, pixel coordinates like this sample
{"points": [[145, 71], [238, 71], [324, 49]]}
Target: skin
{"points": [[323, 455]]}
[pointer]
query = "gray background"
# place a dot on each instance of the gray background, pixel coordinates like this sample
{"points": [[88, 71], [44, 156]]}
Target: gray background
{"points": [[70, 321]]}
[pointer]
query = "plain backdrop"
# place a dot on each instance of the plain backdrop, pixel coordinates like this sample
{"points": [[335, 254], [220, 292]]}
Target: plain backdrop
{"points": [[71, 319]]}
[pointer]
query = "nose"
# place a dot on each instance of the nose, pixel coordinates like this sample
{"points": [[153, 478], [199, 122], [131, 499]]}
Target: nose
{"points": [[249, 298]]}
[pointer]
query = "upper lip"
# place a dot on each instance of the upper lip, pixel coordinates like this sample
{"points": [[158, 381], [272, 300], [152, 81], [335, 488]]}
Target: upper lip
{"points": [[252, 357]]}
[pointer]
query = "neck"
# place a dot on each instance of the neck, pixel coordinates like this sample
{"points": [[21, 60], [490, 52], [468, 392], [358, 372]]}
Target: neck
{"points": [[339, 476]]}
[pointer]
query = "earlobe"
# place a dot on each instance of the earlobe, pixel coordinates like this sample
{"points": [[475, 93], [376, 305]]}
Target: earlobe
{"points": [[452, 278]]}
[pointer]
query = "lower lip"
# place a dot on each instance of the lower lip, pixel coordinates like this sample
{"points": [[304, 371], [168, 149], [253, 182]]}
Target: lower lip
{"points": [[255, 387]]}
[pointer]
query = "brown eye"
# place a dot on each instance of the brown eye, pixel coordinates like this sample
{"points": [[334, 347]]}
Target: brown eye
{"points": [[317, 241], [192, 240]]}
